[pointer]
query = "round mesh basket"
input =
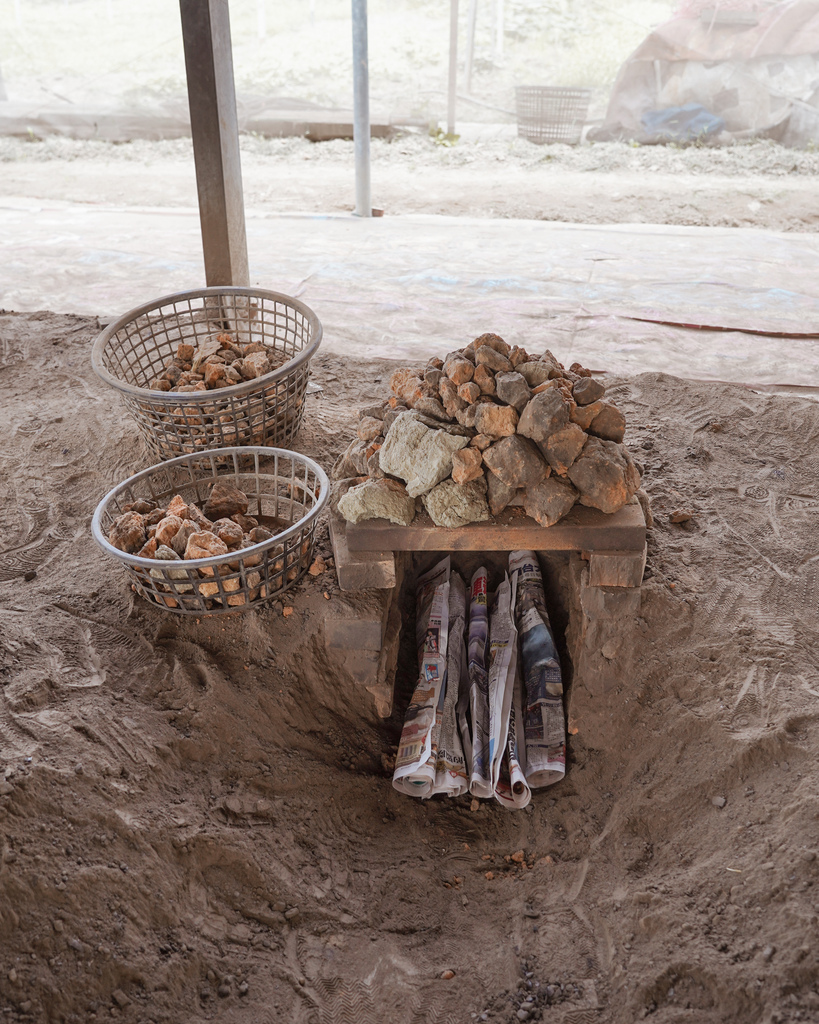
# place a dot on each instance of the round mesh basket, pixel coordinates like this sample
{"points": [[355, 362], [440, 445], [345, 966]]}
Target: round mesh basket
{"points": [[135, 349], [548, 113], [286, 493]]}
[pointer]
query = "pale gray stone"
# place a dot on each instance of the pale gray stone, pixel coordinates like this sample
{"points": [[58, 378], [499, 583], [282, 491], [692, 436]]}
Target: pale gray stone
{"points": [[451, 505], [417, 454], [378, 499]]}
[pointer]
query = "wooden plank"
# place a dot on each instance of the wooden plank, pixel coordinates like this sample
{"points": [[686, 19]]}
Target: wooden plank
{"points": [[583, 529], [215, 133]]}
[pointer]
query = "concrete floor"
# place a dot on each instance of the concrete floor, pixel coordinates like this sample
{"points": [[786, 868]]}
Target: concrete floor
{"points": [[419, 285]]}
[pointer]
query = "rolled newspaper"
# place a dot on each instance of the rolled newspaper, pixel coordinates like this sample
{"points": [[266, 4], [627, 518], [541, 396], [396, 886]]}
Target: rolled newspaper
{"points": [[503, 653], [417, 749], [475, 732], [544, 721], [512, 790], [450, 765]]}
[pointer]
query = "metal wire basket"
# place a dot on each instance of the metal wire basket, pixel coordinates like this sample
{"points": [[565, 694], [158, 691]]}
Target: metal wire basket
{"points": [[267, 410], [287, 492], [551, 113]]}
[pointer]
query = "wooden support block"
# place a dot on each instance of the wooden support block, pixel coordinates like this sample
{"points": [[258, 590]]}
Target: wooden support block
{"points": [[616, 568], [360, 570]]}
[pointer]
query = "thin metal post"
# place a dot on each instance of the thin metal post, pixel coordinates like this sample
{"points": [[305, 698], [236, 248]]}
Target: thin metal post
{"points": [[453, 66], [18, 15], [471, 20], [499, 29], [361, 110], [215, 131], [261, 19]]}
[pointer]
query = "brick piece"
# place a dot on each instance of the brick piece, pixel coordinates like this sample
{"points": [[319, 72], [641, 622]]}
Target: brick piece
{"points": [[360, 570], [616, 568]]}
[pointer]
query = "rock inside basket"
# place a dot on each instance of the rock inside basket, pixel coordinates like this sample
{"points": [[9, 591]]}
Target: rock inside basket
{"points": [[487, 427]]}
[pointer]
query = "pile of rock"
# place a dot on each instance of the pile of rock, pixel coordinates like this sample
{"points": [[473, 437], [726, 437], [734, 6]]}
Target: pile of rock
{"points": [[180, 530], [487, 427], [218, 362]]}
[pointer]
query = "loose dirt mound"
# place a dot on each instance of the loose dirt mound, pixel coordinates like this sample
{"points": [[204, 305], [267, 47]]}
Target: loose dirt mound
{"points": [[195, 823]]}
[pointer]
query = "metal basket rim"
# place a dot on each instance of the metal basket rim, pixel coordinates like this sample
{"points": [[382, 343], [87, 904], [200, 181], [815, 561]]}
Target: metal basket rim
{"points": [[204, 397], [231, 556]]}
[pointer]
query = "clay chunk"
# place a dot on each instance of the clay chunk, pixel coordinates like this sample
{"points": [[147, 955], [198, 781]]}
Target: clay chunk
{"points": [[225, 500]]}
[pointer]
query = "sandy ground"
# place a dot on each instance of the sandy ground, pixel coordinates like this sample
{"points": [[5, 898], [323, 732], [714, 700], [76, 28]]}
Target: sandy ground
{"points": [[169, 790], [487, 174]]}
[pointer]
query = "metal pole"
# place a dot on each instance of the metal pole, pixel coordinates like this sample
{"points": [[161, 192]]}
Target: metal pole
{"points": [[471, 21], [498, 29], [18, 17], [361, 110], [215, 131], [261, 19], [453, 66]]}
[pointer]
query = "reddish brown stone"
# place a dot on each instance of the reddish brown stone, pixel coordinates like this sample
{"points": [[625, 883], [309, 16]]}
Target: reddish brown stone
{"points": [[229, 532], [488, 356], [605, 475], [466, 465], [215, 375], [225, 500], [517, 462], [205, 545], [128, 533], [469, 392], [485, 379], [369, 428], [481, 442], [458, 369], [583, 415], [148, 550], [587, 390], [495, 420], [545, 414], [563, 447], [177, 506], [494, 341], [167, 529], [550, 500], [518, 356], [247, 523], [609, 423], [185, 352]]}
